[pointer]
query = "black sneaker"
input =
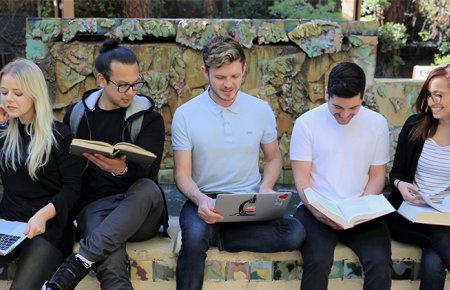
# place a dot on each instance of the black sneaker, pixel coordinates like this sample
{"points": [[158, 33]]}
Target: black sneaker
{"points": [[69, 274]]}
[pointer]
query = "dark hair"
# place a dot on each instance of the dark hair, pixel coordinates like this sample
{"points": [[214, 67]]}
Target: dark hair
{"points": [[111, 51], [222, 50], [427, 124], [346, 80]]}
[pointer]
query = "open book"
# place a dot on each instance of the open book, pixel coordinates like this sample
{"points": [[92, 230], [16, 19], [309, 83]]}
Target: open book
{"points": [[133, 152], [439, 201], [351, 211], [424, 214]]}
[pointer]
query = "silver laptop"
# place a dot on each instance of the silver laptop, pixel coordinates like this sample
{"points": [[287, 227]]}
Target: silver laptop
{"points": [[245, 207], [11, 235]]}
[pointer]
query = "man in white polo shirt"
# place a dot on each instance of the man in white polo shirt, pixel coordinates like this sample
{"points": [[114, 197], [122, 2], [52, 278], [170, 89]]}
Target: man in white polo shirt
{"points": [[217, 137], [340, 149]]}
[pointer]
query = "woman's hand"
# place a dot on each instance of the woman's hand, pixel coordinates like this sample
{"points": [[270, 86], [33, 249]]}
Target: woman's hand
{"points": [[410, 192], [36, 224]]}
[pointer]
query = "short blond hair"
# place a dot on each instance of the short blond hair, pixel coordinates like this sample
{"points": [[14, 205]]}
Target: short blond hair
{"points": [[222, 50]]}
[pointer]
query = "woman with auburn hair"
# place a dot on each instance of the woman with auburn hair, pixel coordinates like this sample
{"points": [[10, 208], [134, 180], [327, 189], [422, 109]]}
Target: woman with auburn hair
{"points": [[422, 165], [41, 179]]}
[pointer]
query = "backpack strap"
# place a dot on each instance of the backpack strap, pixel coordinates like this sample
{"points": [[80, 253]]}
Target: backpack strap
{"points": [[75, 116]]}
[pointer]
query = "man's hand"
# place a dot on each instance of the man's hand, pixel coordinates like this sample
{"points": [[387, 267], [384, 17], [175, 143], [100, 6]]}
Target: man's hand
{"points": [[324, 219], [206, 210], [410, 192], [113, 165]]}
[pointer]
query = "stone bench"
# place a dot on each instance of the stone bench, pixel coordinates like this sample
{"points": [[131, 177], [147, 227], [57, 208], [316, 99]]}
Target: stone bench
{"points": [[153, 262]]}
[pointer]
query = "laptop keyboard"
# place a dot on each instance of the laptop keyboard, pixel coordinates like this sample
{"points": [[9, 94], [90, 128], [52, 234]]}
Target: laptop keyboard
{"points": [[7, 240]]}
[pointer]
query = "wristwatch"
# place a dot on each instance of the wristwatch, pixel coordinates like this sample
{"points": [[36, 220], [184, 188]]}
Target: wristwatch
{"points": [[122, 173]]}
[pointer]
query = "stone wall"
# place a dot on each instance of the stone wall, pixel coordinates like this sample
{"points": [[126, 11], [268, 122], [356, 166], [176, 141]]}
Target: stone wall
{"points": [[288, 64]]}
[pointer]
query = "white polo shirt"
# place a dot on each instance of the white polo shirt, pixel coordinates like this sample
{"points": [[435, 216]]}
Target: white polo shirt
{"points": [[341, 155], [225, 142]]}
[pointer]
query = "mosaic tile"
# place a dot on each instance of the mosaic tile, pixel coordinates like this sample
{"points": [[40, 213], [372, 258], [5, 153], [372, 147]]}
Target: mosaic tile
{"points": [[4, 273], [141, 270], [416, 271], [352, 270], [237, 271], [261, 270], [337, 270], [300, 269], [215, 270], [285, 270], [402, 270], [164, 270]]}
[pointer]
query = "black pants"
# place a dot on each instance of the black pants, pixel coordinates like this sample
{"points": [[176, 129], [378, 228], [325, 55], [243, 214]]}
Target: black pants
{"points": [[435, 243], [37, 260], [370, 241], [108, 223]]}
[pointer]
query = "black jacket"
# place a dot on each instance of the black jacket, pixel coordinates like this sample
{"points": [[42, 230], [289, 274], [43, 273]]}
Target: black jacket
{"points": [[58, 182], [98, 183], [406, 158]]}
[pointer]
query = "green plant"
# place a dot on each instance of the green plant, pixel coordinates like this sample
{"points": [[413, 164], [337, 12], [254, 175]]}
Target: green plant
{"points": [[392, 36], [302, 9]]}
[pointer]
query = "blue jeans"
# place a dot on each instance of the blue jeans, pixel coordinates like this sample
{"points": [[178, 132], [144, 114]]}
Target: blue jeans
{"points": [[434, 241], [285, 234], [370, 241]]}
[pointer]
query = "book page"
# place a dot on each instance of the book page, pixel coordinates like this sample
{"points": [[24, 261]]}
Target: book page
{"points": [[326, 206], [437, 200], [357, 210]]}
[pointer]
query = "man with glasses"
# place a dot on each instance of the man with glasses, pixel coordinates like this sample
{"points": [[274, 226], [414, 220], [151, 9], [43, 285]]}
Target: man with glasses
{"points": [[121, 199], [340, 150]]}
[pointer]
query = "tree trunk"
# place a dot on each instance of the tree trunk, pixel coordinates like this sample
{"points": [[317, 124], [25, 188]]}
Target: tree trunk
{"points": [[210, 8], [396, 12], [136, 8]]}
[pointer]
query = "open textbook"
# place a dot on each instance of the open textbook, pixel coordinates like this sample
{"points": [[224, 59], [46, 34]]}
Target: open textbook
{"points": [[424, 214], [351, 211], [439, 201], [133, 152]]}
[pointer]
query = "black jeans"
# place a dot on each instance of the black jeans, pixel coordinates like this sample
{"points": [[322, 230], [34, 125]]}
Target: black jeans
{"points": [[435, 243], [370, 241], [37, 258], [108, 223]]}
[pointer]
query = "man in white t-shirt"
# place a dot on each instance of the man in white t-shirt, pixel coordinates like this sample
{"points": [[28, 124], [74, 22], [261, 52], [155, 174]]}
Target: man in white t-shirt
{"points": [[217, 137], [340, 149]]}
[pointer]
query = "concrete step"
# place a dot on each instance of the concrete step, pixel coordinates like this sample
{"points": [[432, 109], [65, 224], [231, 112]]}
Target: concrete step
{"points": [[153, 267]]}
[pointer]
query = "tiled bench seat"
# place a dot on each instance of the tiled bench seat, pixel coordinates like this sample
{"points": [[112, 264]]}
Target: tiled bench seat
{"points": [[153, 267]]}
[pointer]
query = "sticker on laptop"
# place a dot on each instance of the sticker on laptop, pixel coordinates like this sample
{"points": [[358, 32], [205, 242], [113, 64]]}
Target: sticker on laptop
{"points": [[281, 199], [247, 208]]}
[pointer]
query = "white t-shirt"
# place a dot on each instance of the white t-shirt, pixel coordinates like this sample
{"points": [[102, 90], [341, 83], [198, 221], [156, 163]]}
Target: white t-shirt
{"points": [[341, 155], [225, 142]]}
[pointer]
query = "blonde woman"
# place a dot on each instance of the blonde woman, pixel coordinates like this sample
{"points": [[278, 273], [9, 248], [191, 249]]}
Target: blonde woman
{"points": [[41, 179]]}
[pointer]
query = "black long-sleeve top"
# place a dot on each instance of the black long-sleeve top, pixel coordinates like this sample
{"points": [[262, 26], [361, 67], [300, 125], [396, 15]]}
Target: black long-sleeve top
{"points": [[59, 183], [406, 159]]}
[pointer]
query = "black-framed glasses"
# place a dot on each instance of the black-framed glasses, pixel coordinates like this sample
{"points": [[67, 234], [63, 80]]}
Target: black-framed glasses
{"points": [[436, 97], [123, 88]]}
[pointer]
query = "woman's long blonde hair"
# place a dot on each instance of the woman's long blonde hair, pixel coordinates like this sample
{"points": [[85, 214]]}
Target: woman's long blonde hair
{"points": [[31, 82]]}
